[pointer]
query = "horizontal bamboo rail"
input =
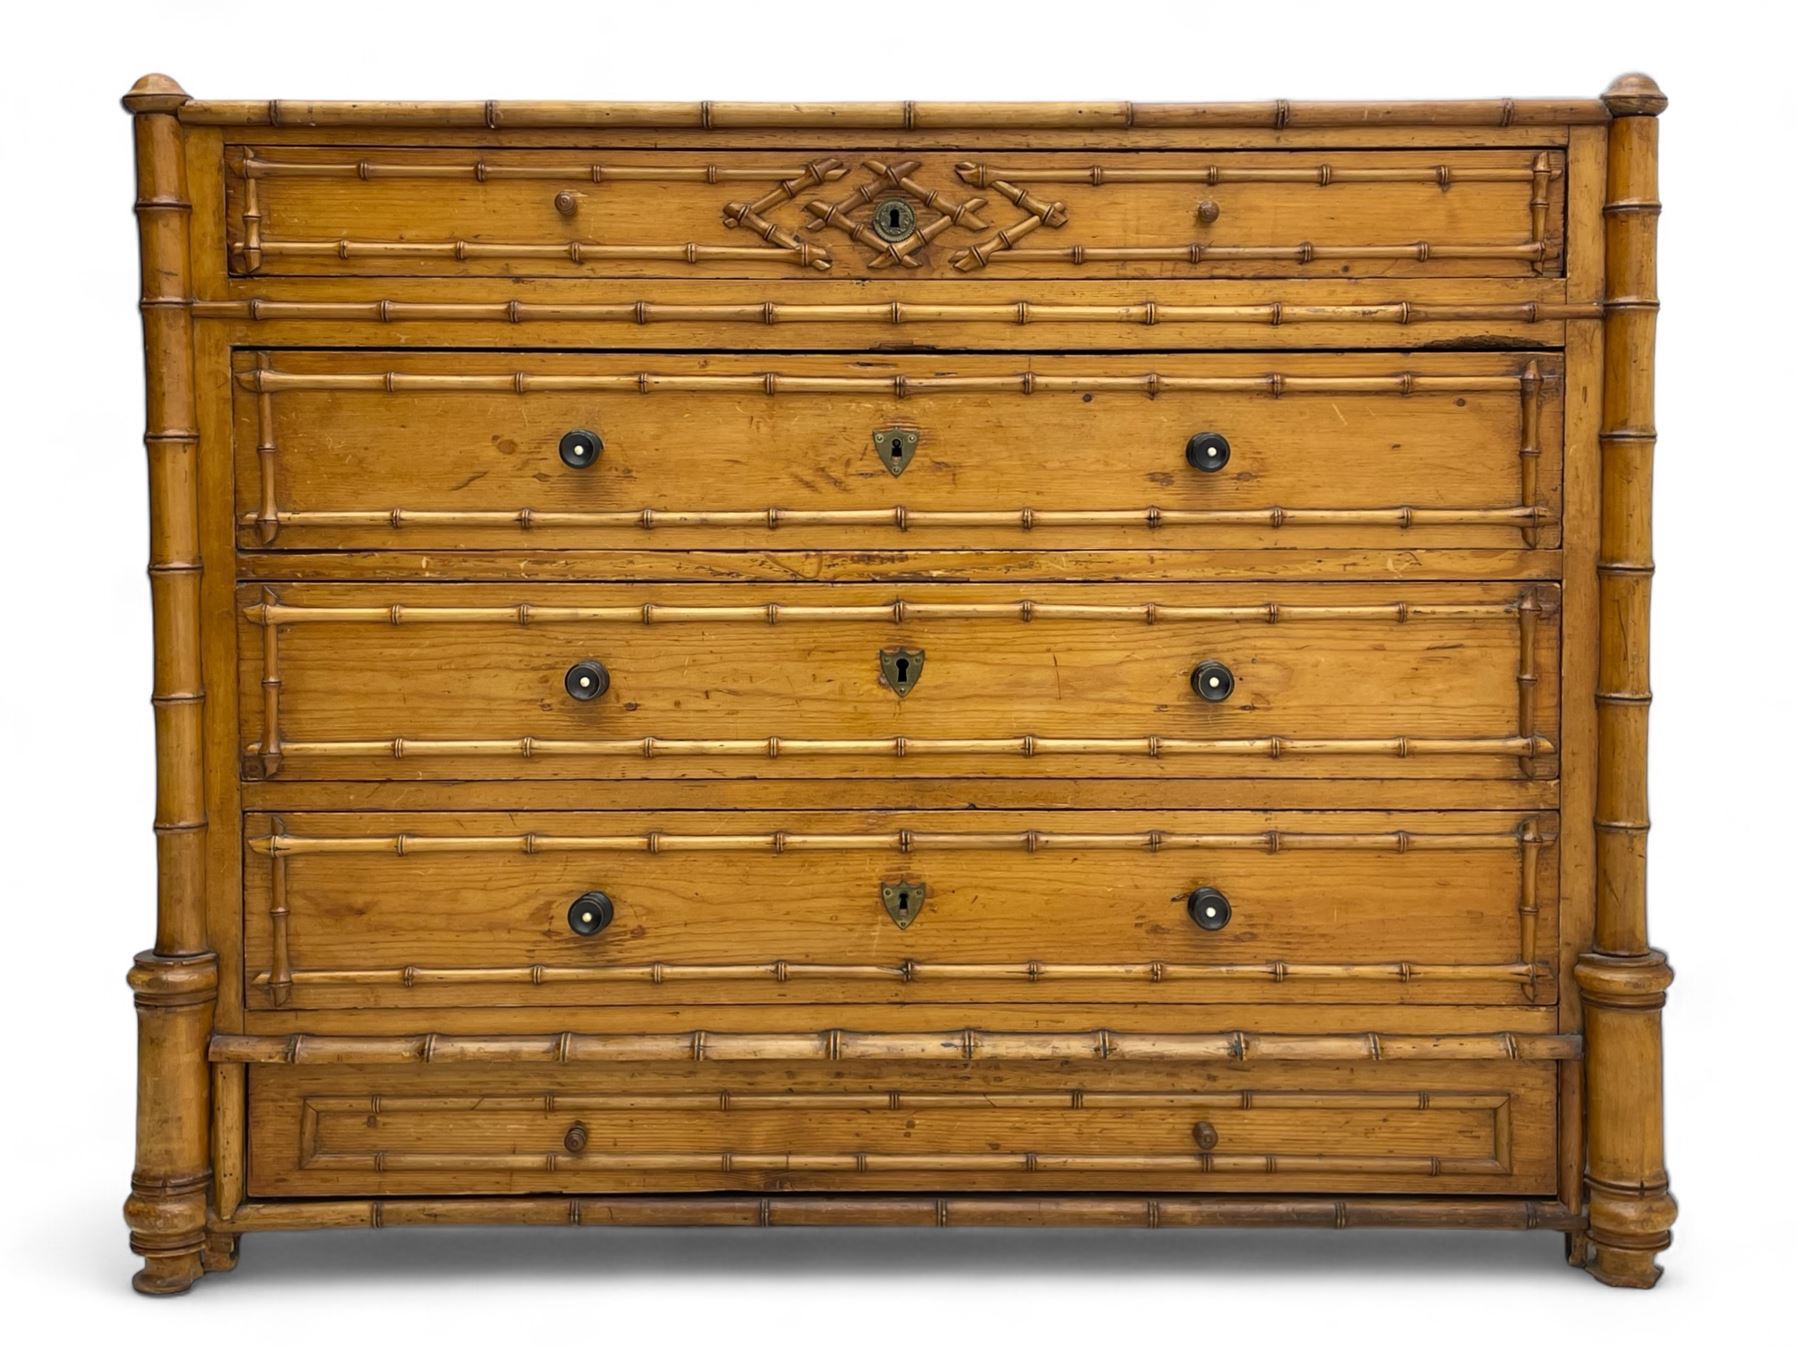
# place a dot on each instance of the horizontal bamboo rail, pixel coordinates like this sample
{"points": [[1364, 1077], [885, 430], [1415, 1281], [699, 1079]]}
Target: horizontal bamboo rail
{"points": [[903, 972], [1212, 175], [862, 1163], [944, 1047], [1275, 384], [896, 841], [575, 251], [272, 613], [483, 170], [897, 313], [1271, 114], [1196, 253], [1027, 746], [907, 518], [1075, 1099], [923, 1211]]}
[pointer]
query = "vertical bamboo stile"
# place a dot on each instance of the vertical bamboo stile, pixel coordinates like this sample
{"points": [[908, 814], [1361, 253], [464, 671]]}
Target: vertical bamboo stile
{"points": [[175, 982], [1531, 417], [1622, 981]]}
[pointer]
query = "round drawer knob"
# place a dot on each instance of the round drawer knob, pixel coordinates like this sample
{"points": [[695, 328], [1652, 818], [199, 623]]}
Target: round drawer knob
{"points": [[1208, 907], [580, 448], [566, 202], [1206, 1136], [1208, 451], [586, 680], [591, 913], [575, 1139], [1212, 680], [1207, 211]]}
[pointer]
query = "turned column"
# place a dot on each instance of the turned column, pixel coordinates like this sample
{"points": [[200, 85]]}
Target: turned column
{"points": [[1622, 981], [173, 983]]}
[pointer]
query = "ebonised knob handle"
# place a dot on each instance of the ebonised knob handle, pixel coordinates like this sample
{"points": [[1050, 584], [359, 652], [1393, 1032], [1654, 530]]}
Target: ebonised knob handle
{"points": [[586, 680], [565, 202], [1213, 681], [1206, 1136], [580, 448], [1208, 907], [575, 1139], [1207, 211], [1208, 451], [590, 913]]}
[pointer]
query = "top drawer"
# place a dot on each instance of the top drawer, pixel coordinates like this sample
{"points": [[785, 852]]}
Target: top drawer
{"points": [[385, 211]]}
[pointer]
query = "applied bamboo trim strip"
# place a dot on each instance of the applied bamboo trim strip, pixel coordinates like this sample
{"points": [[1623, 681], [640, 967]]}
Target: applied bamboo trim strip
{"points": [[265, 379], [658, 842], [904, 518], [728, 1163], [789, 181], [575, 251], [715, 1101], [918, 1211], [903, 972], [900, 747], [272, 613], [1324, 174], [945, 1047], [1531, 418], [1539, 252], [1276, 114], [897, 313]]}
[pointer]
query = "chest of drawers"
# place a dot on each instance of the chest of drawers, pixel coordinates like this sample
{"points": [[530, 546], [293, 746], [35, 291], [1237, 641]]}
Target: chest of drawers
{"points": [[899, 663]]}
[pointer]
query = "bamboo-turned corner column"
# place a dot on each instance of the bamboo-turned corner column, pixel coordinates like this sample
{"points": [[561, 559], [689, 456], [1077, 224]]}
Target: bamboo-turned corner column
{"points": [[175, 982], [1622, 981]]}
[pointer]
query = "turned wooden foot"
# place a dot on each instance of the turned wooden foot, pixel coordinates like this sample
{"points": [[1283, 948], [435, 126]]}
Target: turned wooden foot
{"points": [[1575, 1249], [1624, 1267], [167, 1274], [219, 1252]]}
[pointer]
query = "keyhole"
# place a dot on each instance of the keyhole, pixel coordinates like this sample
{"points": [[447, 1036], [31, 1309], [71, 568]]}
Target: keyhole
{"points": [[904, 667], [894, 448], [893, 218], [905, 901]]}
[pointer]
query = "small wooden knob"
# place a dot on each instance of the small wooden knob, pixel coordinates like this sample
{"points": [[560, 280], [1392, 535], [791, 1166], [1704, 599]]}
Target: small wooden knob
{"points": [[1207, 211], [1206, 1137], [567, 202], [576, 1138]]}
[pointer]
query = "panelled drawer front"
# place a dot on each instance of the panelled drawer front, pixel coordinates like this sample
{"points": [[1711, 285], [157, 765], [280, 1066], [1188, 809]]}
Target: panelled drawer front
{"points": [[570, 909], [491, 681], [825, 211], [1427, 1127], [491, 450]]}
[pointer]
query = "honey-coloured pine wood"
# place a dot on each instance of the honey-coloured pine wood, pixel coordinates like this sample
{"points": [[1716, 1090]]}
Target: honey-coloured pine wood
{"points": [[875, 457], [1624, 979]]}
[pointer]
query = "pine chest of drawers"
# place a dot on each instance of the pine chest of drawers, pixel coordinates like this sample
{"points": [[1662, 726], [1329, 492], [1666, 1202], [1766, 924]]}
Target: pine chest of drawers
{"points": [[899, 663]]}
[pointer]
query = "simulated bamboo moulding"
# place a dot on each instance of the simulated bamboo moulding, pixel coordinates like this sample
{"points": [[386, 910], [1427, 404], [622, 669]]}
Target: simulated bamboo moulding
{"points": [[899, 663]]}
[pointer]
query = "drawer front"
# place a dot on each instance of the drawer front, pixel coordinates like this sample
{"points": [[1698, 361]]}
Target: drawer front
{"points": [[389, 450], [896, 214], [490, 681], [562, 908], [1432, 1127]]}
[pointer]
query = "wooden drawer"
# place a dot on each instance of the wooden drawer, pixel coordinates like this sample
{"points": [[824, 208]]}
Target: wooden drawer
{"points": [[896, 214], [482, 681], [428, 450], [483, 910], [902, 1126]]}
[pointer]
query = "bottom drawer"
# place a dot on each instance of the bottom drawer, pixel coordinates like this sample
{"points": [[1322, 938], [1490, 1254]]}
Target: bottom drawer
{"points": [[1426, 1127]]}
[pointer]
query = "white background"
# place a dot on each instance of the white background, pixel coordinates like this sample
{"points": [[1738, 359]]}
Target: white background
{"points": [[76, 892]]}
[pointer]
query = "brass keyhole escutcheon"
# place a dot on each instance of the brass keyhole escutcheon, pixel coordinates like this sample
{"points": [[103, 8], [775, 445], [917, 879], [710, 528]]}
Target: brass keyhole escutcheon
{"points": [[901, 668], [894, 446], [903, 900], [894, 219]]}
